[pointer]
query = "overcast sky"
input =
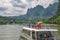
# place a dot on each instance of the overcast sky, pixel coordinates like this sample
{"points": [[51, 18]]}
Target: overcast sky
{"points": [[19, 7]]}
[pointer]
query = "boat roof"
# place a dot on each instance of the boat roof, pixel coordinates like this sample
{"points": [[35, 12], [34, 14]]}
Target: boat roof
{"points": [[34, 29]]}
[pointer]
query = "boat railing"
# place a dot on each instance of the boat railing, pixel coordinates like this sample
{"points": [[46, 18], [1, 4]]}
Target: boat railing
{"points": [[43, 26], [26, 36]]}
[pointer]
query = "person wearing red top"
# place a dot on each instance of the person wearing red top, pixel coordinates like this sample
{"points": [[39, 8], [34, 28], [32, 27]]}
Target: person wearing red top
{"points": [[37, 25]]}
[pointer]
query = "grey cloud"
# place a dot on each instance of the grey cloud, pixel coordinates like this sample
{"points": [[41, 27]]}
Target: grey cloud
{"points": [[21, 6], [19, 10], [29, 0], [16, 7], [18, 1], [3, 9], [32, 0]]}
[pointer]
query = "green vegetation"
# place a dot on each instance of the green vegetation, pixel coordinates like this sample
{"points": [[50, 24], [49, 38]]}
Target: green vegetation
{"points": [[8, 20]]}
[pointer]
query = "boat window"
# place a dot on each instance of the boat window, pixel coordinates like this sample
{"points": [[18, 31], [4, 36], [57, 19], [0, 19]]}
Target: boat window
{"points": [[42, 36], [26, 32]]}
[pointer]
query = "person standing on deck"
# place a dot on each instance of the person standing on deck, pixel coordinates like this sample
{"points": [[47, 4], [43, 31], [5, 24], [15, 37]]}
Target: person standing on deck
{"points": [[37, 25]]}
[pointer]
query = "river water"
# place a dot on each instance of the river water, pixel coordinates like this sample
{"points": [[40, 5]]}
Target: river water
{"points": [[10, 32]]}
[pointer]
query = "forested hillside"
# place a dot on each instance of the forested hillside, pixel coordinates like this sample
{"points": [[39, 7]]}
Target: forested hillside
{"points": [[39, 13], [8, 20], [56, 18]]}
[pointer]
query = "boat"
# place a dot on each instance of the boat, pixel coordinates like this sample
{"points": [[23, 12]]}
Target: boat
{"points": [[38, 33]]}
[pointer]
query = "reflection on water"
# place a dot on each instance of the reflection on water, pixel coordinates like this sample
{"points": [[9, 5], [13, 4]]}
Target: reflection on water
{"points": [[10, 32]]}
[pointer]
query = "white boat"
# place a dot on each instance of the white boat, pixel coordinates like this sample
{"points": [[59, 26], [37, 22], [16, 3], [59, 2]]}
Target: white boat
{"points": [[30, 33]]}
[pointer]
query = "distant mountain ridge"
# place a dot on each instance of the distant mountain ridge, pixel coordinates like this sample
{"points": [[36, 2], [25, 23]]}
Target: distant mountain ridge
{"points": [[50, 11], [39, 12]]}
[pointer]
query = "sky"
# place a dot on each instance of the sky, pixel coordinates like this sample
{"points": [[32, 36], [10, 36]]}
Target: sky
{"points": [[20, 7]]}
